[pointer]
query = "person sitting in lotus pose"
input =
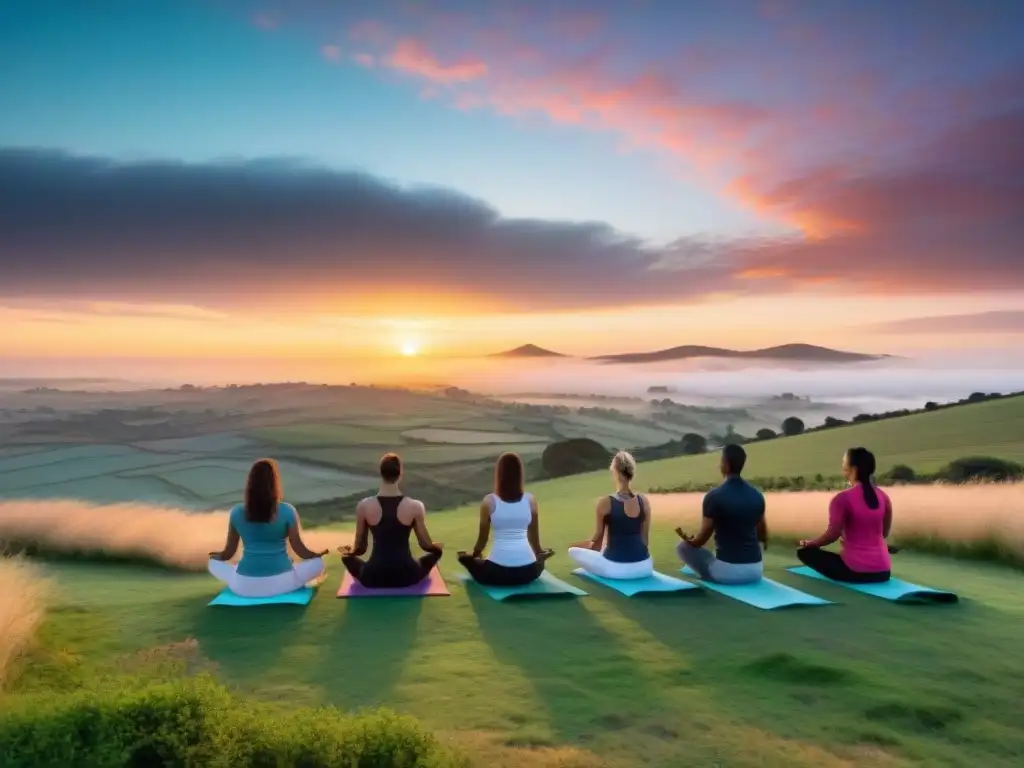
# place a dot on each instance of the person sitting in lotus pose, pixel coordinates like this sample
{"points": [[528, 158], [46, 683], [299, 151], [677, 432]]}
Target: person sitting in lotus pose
{"points": [[862, 517], [516, 557], [734, 513], [265, 524], [626, 518], [390, 517]]}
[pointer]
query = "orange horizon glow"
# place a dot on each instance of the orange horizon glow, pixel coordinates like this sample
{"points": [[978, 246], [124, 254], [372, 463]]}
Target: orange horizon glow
{"points": [[161, 331]]}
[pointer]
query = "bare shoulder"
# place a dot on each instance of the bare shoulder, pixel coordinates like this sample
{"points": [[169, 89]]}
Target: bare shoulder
{"points": [[604, 504], [415, 506]]}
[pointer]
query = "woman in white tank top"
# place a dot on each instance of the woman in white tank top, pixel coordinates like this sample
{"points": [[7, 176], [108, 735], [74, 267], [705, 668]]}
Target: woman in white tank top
{"points": [[516, 557]]}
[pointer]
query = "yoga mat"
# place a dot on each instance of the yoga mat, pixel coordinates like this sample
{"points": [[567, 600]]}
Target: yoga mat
{"points": [[895, 590], [432, 586], [546, 586], [765, 594], [659, 582], [298, 597]]}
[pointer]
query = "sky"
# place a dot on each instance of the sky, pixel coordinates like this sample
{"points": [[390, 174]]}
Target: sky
{"points": [[276, 179]]}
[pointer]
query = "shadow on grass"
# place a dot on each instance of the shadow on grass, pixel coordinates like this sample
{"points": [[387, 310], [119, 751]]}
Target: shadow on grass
{"points": [[588, 683], [244, 642], [363, 654]]}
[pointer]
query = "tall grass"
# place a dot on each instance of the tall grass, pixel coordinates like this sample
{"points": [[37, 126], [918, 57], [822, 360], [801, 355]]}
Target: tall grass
{"points": [[23, 597], [982, 521], [168, 537]]}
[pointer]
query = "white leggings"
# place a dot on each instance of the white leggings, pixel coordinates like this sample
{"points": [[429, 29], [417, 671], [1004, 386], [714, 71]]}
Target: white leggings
{"points": [[595, 562], [267, 586]]}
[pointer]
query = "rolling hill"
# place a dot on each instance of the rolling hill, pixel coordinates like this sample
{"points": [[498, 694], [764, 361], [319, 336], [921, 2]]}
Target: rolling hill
{"points": [[925, 441], [528, 350], [793, 352]]}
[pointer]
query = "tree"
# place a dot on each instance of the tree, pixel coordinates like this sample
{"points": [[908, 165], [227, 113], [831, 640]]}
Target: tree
{"points": [[931, 406], [570, 457], [792, 426], [831, 421], [694, 443], [766, 434], [901, 473]]}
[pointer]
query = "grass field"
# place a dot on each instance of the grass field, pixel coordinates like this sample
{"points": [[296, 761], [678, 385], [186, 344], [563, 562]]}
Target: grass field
{"points": [[926, 442], [604, 680], [693, 679]]}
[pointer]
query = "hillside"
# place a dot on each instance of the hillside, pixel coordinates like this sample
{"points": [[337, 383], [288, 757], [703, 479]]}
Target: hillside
{"points": [[926, 442], [795, 352], [528, 350]]}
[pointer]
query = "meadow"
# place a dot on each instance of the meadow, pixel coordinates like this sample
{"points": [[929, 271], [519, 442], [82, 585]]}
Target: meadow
{"points": [[603, 680], [599, 681]]}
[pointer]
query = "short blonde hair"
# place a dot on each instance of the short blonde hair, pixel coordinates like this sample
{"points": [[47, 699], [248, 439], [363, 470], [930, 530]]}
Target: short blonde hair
{"points": [[624, 463]]}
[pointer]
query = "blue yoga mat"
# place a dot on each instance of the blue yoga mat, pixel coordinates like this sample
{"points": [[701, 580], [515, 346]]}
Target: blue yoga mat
{"points": [[895, 590], [764, 594], [546, 586], [659, 582], [298, 597]]}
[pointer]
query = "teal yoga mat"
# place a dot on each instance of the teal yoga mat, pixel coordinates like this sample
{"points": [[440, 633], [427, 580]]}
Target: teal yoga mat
{"points": [[764, 594], [658, 583], [298, 597], [894, 590], [546, 586]]}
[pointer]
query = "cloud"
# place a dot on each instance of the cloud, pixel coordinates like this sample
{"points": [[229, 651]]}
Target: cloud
{"points": [[331, 52], [276, 232], [231, 233], [1004, 321], [412, 57]]}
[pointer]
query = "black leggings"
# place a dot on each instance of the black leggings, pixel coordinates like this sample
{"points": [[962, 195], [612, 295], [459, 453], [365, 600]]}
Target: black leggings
{"points": [[376, 577], [831, 566], [494, 575]]}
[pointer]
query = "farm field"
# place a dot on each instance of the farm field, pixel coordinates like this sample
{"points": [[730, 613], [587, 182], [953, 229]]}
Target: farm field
{"points": [[600, 681]]}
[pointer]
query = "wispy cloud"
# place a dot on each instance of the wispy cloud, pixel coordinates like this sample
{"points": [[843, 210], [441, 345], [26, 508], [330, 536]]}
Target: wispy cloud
{"points": [[412, 57], [1004, 321]]}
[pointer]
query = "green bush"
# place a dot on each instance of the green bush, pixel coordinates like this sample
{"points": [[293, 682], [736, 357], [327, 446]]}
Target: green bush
{"points": [[198, 723], [974, 468], [900, 473], [573, 456]]}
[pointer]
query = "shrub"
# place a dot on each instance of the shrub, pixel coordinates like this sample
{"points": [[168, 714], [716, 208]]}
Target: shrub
{"points": [[198, 723], [900, 473], [792, 426], [694, 443], [766, 434], [981, 468], [570, 457]]}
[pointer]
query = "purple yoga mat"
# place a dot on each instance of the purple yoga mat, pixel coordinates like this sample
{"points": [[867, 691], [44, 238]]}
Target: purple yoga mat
{"points": [[432, 586]]}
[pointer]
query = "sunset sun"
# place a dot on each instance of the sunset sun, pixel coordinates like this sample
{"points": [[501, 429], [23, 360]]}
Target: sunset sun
{"points": [[409, 349]]}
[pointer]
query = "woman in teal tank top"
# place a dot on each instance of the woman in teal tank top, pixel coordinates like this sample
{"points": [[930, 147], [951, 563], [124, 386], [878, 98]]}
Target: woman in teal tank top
{"points": [[265, 525]]}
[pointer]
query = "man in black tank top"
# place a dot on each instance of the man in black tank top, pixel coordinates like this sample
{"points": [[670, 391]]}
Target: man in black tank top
{"points": [[390, 517]]}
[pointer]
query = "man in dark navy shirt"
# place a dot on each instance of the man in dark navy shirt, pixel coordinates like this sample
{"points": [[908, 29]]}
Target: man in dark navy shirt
{"points": [[734, 514]]}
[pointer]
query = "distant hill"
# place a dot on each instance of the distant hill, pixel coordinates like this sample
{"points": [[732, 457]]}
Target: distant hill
{"points": [[528, 350], [801, 352]]}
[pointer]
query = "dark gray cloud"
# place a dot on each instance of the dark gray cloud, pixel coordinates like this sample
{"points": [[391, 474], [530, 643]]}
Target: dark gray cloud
{"points": [[172, 232]]}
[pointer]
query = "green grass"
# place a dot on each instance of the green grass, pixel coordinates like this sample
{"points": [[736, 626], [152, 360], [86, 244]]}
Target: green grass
{"points": [[694, 679], [312, 435], [927, 442]]}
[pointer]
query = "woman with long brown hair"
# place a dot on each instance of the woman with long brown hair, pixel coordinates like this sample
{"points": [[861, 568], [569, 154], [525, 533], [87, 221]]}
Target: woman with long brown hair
{"points": [[265, 525], [516, 557]]}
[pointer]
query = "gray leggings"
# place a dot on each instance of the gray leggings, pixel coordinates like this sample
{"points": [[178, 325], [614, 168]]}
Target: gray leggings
{"points": [[710, 568]]}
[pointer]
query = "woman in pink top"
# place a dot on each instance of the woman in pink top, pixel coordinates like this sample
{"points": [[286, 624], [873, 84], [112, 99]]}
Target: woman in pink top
{"points": [[862, 517]]}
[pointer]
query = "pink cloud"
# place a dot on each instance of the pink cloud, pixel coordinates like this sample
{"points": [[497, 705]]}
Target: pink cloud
{"points": [[364, 60], [412, 57], [331, 52]]}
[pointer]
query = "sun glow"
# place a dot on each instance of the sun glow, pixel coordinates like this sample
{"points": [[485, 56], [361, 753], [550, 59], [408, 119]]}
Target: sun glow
{"points": [[409, 349]]}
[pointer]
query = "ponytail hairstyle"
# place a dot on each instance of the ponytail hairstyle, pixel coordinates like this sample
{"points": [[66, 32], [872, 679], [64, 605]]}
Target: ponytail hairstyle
{"points": [[863, 463]]}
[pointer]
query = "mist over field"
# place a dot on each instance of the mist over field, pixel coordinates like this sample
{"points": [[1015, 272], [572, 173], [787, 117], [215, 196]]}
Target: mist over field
{"points": [[849, 388]]}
